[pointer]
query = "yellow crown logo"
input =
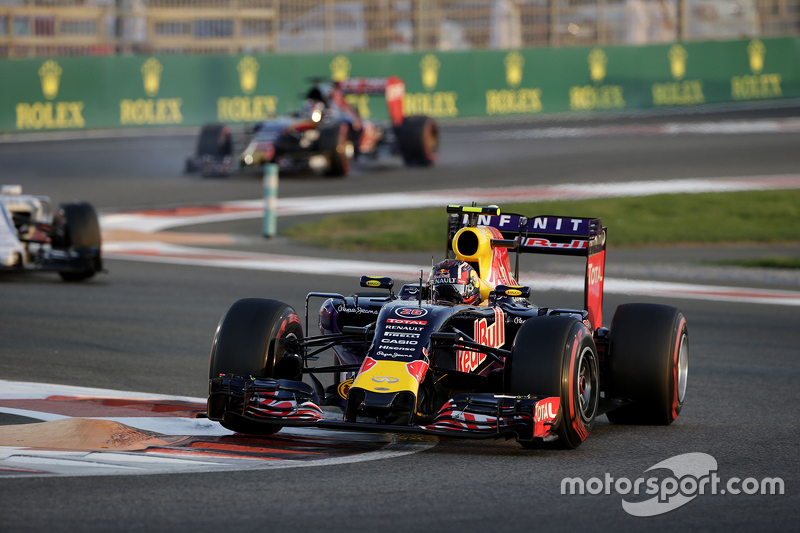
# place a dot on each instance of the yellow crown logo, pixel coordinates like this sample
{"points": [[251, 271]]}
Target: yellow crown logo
{"points": [[248, 74], [340, 68], [514, 63], [151, 76], [430, 71], [756, 51], [597, 65], [50, 74], [677, 61]]}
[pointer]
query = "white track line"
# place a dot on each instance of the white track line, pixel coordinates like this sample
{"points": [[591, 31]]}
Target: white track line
{"points": [[727, 127], [20, 461], [157, 220], [162, 219], [183, 255]]}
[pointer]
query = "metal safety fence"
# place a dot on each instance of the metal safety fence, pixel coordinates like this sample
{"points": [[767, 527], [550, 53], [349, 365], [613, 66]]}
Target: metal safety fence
{"points": [[31, 28]]}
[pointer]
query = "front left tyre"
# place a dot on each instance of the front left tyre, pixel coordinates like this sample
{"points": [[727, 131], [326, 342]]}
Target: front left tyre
{"points": [[556, 356]]}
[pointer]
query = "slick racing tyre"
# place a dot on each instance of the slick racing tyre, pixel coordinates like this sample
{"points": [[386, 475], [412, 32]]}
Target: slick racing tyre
{"points": [[648, 363], [214, 142], [245, 344], [418, 140], [556, 356], [336, 145], [75, 227]]}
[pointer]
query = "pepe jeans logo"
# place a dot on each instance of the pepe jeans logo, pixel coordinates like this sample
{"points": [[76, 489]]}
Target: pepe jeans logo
{"points": [[50, 74], [514, 63], [429, 66], [151, 76], [340, 68], [693, 474]]}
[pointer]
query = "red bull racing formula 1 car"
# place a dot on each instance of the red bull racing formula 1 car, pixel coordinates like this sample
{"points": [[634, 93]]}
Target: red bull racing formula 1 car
{"points": [[465, 354], [325, 136]]}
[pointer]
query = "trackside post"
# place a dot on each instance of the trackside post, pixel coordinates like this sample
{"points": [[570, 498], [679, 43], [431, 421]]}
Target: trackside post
{"points": [[270, 226]]}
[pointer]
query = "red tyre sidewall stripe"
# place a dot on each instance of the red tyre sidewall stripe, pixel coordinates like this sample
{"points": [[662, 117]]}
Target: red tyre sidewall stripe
{"points": [[577, 424], [675, 368]]}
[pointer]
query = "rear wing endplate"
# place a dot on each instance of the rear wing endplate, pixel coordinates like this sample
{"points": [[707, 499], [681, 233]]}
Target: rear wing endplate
{"points": [[392, 87]]}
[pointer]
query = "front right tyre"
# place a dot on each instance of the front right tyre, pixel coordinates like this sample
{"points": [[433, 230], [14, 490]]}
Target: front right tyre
{"points": [[246, 344]]}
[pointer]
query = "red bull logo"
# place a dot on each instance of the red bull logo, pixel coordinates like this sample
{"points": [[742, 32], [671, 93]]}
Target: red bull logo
{"points": [[494, 336]]}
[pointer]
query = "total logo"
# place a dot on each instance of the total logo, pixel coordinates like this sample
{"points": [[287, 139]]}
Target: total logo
{"points": [[546, 410], [494, 336], [411, 312], [595, 275]]}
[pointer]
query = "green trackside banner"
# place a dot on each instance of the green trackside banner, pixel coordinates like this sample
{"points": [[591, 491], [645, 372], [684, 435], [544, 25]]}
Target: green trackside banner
{"points": [[112, 92]]}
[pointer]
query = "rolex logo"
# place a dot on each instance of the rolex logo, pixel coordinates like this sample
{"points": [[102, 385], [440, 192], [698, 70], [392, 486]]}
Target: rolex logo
{"points": [[151, 76], [677, 61], [340, 68], [597, 65], [756, 51], [514, 63], [430, 71], [50, 74], [248, 74]]}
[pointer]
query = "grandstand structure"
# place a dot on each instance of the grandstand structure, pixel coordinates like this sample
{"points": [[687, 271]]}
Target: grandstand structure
{"points": [[38, 28]]}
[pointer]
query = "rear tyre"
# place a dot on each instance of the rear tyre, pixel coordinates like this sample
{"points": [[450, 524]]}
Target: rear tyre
{"points": [[214, 140], [648, 363], [75, 227], [336, 145], [418, 140], [245, 344], [556, 356]]}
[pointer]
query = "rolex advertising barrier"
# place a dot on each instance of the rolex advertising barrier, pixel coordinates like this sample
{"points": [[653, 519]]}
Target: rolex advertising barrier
{"points": [[113, 92]]}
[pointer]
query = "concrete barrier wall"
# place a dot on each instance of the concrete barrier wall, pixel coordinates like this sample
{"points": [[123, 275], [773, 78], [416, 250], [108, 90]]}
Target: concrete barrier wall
{"points": [[113, 92]]}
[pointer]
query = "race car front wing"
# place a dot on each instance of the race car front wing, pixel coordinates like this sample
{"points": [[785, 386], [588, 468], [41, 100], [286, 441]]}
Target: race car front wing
{"points": [[294, 403]]}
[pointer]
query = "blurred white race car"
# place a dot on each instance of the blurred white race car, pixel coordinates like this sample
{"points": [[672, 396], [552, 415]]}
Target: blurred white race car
{"points": [[32, 237]]}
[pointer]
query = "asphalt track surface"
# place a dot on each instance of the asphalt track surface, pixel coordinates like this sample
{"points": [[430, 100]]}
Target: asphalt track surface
{"points": [[148, 327]]}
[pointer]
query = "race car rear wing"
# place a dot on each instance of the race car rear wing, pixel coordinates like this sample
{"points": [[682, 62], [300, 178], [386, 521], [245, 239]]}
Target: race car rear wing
{"points": [[544, 234], [392, 87]]}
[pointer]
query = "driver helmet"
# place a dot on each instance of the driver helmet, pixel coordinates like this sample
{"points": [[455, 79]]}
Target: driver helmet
{"points": [[454, 281]]}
